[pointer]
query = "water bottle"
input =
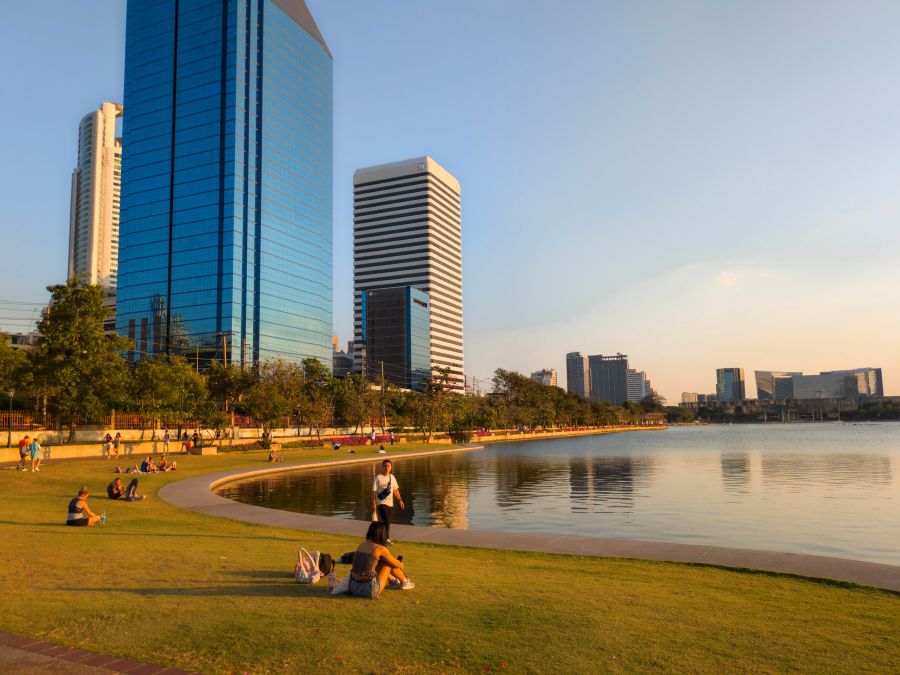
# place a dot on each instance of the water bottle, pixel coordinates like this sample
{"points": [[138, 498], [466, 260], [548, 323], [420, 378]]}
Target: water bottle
{"points": [[103, 518], [332, 580]]}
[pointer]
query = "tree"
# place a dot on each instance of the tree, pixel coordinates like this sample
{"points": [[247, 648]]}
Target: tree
{"points": [[265, 403], [13, 367], [430, 409], [162, 386], [318, 386], [354, 401], [75, 363], [227, 384]]}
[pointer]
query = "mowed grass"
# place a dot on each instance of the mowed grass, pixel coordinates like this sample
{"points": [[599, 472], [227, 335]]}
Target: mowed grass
{"points": [[169, 586]]}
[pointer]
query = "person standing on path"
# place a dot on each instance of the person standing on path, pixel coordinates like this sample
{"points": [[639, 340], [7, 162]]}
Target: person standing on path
{"points": [[116, 441], [384, 488], [184, 442], [166, 438], [24, 444], [34, 450], [392, 438]]}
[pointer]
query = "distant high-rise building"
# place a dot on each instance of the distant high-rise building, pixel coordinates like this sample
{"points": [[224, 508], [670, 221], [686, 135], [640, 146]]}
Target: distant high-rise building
{"points": [[637, 385], [578, 375], [94, 210], [608, 378], [395, 331], [406, 232], [690, 397], [546, 377], [226, 232], [870, 382], [772, 385], [730, 384]]}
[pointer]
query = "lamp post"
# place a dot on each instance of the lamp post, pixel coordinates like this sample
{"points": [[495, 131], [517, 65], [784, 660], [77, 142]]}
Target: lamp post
{"points": [[10, 393]]}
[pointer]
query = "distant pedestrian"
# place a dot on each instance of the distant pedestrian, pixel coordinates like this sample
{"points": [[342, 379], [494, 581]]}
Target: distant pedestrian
{"points": [[24, 444], [196, 440], [372, 437], [166, 438], [184, 442], [384, 488], [392, 438], [116, 441], [34, 451]]}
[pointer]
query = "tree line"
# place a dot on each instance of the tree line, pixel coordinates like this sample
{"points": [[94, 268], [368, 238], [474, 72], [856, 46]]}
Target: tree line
{"points": [[77, 373]]}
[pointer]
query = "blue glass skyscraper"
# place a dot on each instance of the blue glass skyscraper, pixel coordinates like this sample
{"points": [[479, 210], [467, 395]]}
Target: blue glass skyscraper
{"points": [[226, 216]]}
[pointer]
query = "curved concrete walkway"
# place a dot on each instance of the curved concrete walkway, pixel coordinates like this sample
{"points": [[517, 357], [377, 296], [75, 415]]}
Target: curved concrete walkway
{"points": [[196, 494]]}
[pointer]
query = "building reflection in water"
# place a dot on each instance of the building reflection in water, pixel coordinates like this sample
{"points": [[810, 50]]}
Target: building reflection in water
{"points": [[604, 484], [736, 472]]}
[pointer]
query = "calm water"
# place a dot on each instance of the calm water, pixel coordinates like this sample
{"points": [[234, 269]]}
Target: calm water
{"points": [[829, 489]]}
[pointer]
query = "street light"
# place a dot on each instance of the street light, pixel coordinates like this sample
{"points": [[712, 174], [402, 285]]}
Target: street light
{"points": [[10, 393]]}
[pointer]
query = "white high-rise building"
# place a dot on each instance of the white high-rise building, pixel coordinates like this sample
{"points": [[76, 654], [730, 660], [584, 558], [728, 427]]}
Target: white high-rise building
{"points": [[546, 377], [637, 386], [94, 211], [406, 232]]}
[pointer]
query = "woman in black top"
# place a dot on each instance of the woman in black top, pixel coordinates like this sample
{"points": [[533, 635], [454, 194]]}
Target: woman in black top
{"points": [[374, 567]]}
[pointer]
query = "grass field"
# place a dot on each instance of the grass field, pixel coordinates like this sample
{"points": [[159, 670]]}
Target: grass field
{"points": [[174, 587]]}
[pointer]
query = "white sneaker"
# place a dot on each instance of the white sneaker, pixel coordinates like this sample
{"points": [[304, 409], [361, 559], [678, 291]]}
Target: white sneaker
{"points": [[407, 585], [37, 469]]}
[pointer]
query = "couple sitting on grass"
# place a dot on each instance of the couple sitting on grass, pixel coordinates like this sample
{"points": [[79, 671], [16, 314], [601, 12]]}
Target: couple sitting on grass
{"points": [[117, 490], [149, 466], [374, 568]]}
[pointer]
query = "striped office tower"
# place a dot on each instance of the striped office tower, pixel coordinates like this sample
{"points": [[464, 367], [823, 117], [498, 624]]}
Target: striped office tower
{"points": [[406, 232]]}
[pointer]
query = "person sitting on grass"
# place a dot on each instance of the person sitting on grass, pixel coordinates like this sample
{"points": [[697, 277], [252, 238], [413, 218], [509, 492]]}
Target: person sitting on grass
{"points": [[147, 466], [273, 456], [80, 513], [374, 568], [165, 465], [116, 489]]}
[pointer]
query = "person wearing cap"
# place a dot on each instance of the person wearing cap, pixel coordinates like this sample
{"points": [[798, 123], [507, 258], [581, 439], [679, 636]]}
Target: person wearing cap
{"points": [[80, 514]]}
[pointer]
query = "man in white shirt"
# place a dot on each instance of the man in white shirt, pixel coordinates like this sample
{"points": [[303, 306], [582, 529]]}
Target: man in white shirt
{"points": [[384, 488]]}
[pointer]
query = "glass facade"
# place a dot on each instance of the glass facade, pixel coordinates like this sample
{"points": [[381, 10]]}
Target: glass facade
{"points": [[730, 385], [396, 328], [609, 378], [226, 226]]}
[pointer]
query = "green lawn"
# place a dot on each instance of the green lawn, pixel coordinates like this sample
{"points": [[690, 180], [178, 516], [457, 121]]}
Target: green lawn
{"points": [[169, 586]]}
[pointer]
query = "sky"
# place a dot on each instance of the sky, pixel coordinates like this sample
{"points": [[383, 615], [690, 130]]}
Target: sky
{"points": [[694, 184]]}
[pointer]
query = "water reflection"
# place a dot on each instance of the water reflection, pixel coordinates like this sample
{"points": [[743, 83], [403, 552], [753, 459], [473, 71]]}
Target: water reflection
{"points": [[602, 483], [736, 472]]}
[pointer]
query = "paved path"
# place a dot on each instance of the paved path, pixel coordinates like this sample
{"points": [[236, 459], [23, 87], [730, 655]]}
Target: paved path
{"points": [[26, 655], [196, 494]]}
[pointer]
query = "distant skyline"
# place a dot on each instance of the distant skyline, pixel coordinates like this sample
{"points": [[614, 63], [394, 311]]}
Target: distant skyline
{"points": [[699, 185]]}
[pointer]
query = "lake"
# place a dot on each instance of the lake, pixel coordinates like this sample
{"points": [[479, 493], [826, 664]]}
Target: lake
{"points": [[827, 489]]}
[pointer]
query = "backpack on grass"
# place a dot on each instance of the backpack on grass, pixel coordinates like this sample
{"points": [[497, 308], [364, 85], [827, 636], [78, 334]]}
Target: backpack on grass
{"points": [[306, 569], [326, 563]]}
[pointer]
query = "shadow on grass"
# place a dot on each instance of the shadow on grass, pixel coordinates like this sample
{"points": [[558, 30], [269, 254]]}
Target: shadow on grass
{"points": [[288, 588]]}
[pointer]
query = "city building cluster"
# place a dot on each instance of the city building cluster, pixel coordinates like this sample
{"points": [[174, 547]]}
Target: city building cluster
{"points": [[208, 218], [782, 386], [605, 378]]}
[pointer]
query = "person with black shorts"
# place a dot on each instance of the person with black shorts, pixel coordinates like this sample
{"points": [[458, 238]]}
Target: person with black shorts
{"points": [[384, 488]]}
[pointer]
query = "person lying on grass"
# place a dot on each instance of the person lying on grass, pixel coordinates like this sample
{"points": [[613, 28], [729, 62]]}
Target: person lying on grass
{"points": [[80, 513], [374, 567]]}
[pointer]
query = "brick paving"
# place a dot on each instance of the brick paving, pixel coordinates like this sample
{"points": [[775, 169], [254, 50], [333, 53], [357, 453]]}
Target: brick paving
{"points": [[20, 654]]}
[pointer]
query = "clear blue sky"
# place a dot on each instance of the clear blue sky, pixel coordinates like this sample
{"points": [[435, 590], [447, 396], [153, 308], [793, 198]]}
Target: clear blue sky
{"points": [[695, 184]]}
